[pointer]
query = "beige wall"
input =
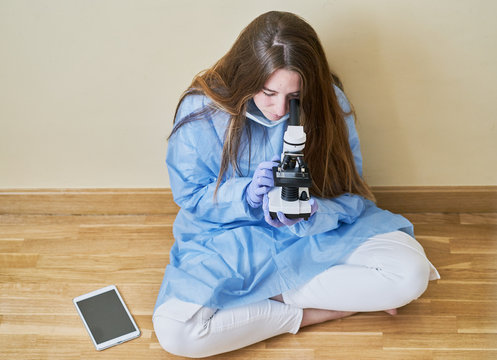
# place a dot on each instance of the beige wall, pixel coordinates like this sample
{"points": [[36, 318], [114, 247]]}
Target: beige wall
{"points": [[88, 88]]}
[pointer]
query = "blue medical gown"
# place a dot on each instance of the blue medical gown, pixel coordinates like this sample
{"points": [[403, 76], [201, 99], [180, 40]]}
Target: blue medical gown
{"points": [[225, 254]]}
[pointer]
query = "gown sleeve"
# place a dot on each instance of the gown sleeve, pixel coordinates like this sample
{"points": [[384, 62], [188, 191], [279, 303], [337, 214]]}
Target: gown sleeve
{"points": [[192, 160], [345, 208]]}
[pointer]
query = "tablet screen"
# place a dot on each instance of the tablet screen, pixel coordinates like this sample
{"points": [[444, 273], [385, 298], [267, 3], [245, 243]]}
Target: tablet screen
{"points": [[105, 316]]}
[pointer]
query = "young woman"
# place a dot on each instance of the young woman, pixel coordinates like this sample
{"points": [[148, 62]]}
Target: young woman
{"points": [[236, 276]]}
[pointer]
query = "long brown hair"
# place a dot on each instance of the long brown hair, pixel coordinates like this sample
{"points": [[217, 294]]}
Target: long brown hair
{"points": [[282, 40]]}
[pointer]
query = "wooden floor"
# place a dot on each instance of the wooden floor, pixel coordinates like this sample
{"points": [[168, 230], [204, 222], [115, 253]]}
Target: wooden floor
{"points": [[46, 260]]}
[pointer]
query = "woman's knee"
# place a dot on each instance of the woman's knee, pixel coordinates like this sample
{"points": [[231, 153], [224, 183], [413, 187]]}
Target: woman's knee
{"points": [[403, 258], [414, 278], [168, 332], [179, 338], [172, 335]]}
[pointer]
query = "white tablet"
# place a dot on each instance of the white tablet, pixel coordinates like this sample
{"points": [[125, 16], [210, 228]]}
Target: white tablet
{"points": [[106, 317]]}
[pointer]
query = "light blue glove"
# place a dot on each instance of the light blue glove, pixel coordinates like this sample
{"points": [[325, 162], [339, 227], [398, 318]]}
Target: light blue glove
{"points": [[261, 183], [282, 219]]}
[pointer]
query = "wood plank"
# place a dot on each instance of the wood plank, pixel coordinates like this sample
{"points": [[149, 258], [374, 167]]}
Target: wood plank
{"points": [[485, 218], [457, 307], [10, 244], [465, 355], [441, 341], [81, 276], [477, 324], [485, 245], [464, 291], [437, 199], [22, 220], [18, 260], [87, 201], [469, 274], [383, 354], [465, 233]]}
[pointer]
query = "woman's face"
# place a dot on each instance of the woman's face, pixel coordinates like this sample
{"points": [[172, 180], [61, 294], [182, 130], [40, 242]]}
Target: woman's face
{"points": [[273, 99]]}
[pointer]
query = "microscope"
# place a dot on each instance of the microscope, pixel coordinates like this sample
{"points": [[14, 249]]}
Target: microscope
{"points": [[291, 177]]}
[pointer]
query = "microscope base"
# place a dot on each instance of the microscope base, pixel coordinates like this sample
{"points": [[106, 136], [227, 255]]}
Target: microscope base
{"points": [[292, 209]]}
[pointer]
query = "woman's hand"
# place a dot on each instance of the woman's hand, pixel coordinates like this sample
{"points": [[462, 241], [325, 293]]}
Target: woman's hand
{"points": [[261, 183], [282, 219]]}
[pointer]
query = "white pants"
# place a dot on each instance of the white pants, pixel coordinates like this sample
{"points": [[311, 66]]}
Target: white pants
{"points": [[386, 272]]}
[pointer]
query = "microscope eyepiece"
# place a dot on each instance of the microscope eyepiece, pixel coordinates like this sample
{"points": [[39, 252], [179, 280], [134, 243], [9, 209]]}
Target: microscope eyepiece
{"points": [[294, 119]]}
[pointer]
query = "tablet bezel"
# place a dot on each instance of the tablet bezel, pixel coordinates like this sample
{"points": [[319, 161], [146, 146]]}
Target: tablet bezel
{"points": [[115, 341]]}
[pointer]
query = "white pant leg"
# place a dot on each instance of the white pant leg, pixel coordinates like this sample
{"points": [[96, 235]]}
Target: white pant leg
{"points": [[209, 331], [386, 272]]}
